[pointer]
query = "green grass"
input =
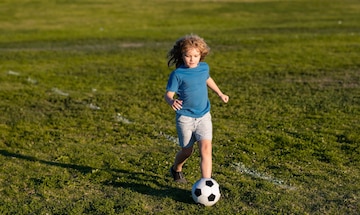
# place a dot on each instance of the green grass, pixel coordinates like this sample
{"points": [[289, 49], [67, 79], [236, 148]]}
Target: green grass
{"points": [[84, 128]]}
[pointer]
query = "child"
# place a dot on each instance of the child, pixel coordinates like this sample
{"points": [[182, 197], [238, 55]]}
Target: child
{"points": [[189, 81]]}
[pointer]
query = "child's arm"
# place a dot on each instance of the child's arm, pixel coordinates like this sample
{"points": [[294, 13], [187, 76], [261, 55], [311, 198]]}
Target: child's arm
{"points": [[212, 85], [174, 103]]}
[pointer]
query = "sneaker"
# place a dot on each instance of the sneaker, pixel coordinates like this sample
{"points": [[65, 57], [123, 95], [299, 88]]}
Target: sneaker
{"points": [[178, 176]]}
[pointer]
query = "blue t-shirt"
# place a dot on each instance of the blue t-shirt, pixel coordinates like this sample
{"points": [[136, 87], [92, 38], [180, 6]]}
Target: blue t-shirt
{"points": [[190, 86]]}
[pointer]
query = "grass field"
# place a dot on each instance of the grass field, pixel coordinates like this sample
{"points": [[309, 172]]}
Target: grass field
{"points": [[84, 128]]}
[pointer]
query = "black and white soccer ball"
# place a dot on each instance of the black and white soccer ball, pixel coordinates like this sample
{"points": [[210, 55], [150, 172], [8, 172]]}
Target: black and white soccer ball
{"points": [[206, 191]]}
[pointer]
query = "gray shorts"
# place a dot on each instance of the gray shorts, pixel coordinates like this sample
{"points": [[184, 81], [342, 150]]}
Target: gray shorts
{"points": [[191, 130]]}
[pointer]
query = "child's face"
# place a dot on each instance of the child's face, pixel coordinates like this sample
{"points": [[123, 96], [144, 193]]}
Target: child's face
{"points": [[191, 57]]}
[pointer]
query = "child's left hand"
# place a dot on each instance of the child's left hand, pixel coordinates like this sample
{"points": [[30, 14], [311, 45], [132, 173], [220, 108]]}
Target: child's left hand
{"points": [[224, 98]]}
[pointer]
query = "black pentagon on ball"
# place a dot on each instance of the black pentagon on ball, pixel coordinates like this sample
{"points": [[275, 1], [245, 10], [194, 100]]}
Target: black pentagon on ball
{"points": [[197, 192], [211, 197], [209, 183]]}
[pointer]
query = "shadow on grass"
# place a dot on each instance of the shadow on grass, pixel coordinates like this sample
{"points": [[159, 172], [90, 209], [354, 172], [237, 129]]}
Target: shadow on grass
{"points": [[82, 169], [175, 193]]}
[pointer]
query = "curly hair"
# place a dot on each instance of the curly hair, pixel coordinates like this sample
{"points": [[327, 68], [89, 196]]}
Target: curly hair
{"points": [[175, 55]]}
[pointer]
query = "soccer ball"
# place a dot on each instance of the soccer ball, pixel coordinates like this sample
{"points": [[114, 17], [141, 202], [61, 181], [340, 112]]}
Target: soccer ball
{"points": [[206, 191]]}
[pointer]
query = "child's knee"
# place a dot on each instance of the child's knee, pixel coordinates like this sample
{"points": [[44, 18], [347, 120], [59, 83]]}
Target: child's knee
{"points": [[205, 148], [187, 151]]}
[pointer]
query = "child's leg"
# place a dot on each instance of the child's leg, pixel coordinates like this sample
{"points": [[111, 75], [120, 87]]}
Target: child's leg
{"points": [[205, 148], [181, 157]]}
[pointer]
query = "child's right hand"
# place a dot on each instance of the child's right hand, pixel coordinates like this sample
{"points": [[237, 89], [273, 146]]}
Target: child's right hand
{"points": [[176, 105]]}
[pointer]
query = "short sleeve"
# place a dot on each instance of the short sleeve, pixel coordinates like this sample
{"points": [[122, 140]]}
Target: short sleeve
{"points": [[173, 83]]}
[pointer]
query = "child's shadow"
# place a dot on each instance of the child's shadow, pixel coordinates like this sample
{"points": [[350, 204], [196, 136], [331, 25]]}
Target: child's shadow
{"points": [[175, 193], [141, 182], [164, 191]]}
